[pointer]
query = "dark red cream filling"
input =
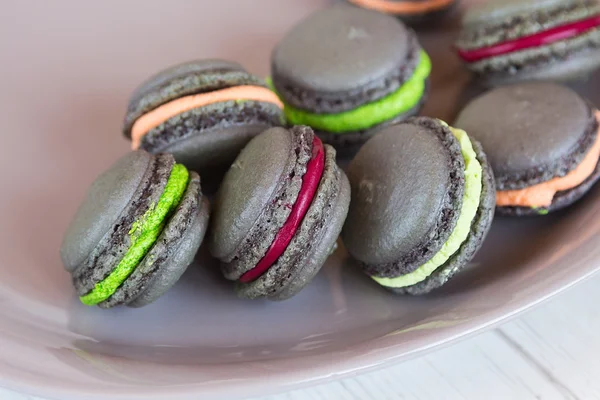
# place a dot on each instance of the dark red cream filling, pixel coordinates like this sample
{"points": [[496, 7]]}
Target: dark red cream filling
{"points": [[310, 183], [539, 39]]}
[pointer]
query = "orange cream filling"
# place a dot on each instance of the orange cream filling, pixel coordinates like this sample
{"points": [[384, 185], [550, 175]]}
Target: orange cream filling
{"points": [[403, 7], [168, 110], [541, 195]]}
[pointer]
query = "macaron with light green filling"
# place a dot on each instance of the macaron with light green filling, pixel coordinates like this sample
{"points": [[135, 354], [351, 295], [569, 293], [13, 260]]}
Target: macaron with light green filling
{"points": [[136, 232], [347, 72], [422, 202]]}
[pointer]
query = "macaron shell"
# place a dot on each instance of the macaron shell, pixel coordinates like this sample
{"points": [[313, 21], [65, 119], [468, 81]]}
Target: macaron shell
{"points": [[114, 245], [187, 79], [480, 228], [212, 135], [205, 151], [407, 183], [180, 71], [487, 32], [576, 65], [107, 198], [362, 48], [159, 261], [561, 199], [181, 259], [496, 11], [313, 241], [532, 131], [543, 62], [276, 212], [247, 189]]}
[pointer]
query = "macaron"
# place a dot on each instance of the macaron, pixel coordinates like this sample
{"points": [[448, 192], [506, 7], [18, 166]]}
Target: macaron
{"points": [[347, 71], [136, 232], [422, 204], [542, 141], [278, 213], [410, 11], [508, 41], [203, 112]]}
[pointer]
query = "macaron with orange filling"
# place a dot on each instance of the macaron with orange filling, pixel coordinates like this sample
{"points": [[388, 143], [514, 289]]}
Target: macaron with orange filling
{"points": [[203, 112], [509, 41], [542, 142], [408, 10]]}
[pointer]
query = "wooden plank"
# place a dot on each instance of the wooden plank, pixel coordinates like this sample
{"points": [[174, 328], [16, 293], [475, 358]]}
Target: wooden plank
{"points": [[485, 366]]}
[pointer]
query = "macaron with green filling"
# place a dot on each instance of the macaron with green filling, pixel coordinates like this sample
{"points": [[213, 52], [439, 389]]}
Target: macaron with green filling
{"points": [[347, 72], [136, 232], [422, 203]]}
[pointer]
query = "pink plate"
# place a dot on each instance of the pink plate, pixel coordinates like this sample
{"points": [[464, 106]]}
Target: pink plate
{"points": [[67, 70]]}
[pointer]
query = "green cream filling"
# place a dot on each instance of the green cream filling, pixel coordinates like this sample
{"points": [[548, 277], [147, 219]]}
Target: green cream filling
{"points": [[370, 114], [143, 234], [470, 205]]}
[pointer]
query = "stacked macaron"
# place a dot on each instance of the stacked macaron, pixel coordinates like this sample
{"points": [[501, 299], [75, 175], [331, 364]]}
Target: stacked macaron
{"points": [[278, 213], [516, 40], [345, 72], [203, 112], [543, 143], [422, 204], [136, 232]]}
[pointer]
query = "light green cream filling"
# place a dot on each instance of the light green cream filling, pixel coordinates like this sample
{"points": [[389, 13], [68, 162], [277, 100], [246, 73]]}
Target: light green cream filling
{"points": [[143, 234], [370, 114], [471, 199]]}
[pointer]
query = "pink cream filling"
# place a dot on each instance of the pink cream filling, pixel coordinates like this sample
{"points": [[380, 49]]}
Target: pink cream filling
{"points": [[310, 183], [539, 39]]}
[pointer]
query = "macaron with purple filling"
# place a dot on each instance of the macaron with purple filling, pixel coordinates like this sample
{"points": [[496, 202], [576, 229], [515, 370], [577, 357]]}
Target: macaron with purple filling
{"points": [[278, 213]]}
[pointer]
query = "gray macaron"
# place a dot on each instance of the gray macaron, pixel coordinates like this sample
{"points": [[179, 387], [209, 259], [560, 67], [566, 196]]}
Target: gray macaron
{"points": [[422, 204], [278, 213], [535, 134], [203, 112], [136, 232]]}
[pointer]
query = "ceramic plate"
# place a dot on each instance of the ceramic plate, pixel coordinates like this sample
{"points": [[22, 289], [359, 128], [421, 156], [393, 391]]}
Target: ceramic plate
{"points": [[66, 74]]}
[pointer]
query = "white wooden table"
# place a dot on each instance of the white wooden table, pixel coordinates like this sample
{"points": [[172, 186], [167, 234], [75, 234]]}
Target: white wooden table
{"points": [[552, 352]]}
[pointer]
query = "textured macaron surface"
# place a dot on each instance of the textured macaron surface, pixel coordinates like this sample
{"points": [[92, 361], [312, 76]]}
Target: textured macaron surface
{"points": [[492, 15], [184, 79], [171, 253], [162, 200], [367, 56], [273, 212], [475, 175], [108, 196], [407, 189], [506, 37], [479, 229], [312, 242], [376, 112], [254, 199], [142, 235], [533, 132], [203, 112], [362, 49], [468, 211]]}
